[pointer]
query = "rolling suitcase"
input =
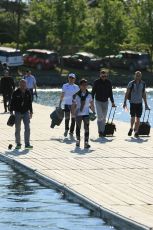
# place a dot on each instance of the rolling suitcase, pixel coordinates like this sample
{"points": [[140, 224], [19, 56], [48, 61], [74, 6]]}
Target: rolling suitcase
{"points": [[144, 128], [110, 127], [56, 116]]}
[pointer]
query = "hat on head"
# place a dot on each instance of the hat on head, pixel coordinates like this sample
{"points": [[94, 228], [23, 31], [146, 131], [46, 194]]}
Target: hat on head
{"points": [[83, 81], [72, 75]]}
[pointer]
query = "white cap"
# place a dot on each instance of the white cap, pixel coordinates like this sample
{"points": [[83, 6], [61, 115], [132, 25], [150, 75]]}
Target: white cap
{"points": [[72, 75]]}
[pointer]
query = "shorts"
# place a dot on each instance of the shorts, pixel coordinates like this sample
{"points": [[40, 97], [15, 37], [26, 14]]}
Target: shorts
{"points": [[136, 109]]}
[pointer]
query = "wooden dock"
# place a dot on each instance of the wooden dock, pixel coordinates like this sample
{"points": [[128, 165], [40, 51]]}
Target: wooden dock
{"points": [[113, 178]]}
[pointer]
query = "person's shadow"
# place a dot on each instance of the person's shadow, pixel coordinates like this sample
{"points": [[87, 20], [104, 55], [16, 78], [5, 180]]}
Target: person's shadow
{"points": [[102, 140], [15, 152], [82, 151], [137, 140], [65, 140]]}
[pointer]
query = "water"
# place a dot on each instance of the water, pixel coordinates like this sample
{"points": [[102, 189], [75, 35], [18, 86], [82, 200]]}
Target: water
{"points": [[51, 97], [26, 205]]}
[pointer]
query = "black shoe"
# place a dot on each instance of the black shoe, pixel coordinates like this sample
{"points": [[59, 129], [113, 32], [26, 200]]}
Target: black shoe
{"points": [[18, 146], [86, 145], [71, 134], [136, 134], [104, 134], [100, 134], [65, 133], [28, 147], [78, 143], [130, 132]]}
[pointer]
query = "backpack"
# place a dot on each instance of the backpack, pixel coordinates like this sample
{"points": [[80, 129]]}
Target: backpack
{"points": [[131, 88]]}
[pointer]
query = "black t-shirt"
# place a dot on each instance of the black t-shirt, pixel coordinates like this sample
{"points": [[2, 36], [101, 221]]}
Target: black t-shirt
{"points": [[102, 90], [21, 102], [7, 85]]}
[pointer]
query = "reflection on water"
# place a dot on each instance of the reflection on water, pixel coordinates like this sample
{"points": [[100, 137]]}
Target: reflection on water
{"points": [[51, 98], [26, 205]]}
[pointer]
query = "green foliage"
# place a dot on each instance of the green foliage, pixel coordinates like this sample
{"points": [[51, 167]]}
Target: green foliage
{"points": [[142, 23], [110, 25], [71, 25], [69, 19]]}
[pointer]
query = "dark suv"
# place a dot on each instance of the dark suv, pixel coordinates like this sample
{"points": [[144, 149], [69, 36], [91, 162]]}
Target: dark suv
{"points": [[128, 59], [41, 59], [83, 60]]}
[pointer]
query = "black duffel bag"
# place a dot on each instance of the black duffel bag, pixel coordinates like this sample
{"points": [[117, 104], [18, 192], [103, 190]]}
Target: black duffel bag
{"points": [[57, 116], [11, 120]]}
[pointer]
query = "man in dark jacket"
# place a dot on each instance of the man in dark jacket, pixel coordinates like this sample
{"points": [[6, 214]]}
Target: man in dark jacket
{"points": [[7, 88], [102, 90], [21, 104]]}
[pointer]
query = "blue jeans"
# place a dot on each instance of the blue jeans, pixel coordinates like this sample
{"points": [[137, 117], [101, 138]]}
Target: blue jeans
{"points": [[26, 120]]}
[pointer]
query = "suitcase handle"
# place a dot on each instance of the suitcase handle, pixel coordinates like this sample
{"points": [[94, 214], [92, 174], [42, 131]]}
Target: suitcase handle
{"points": [[113, 114], [145, 114]]}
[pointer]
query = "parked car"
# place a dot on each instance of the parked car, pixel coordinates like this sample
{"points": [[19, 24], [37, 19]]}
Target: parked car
{"points": [[128, 59], [83, 60], [12, 57], [41, 58]]}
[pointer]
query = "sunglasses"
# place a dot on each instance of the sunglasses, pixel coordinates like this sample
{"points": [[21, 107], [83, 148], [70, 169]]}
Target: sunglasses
{"points": [[103, 75]]}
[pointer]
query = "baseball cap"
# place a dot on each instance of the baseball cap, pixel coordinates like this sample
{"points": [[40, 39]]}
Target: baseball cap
{"points": [[72, 75], [83, 81]]}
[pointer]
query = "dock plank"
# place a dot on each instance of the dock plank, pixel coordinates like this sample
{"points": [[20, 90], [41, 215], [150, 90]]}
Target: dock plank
{"points": [[116, 173]]}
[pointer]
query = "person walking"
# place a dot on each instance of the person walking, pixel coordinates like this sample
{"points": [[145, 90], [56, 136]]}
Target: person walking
{"points": [[4, 67], [21, 104], [7, 88], [102, 91], [83, 102], [31, 83], [135, 93], [68, 90]]}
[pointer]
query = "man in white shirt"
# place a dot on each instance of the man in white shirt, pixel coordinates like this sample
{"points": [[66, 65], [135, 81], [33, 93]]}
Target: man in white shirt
{"points": [[83, 102], [68, 90], [31, 83]]}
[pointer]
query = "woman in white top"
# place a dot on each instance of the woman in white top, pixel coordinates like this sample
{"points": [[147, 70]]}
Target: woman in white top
{"points": [[68, 90], [83, 102]]}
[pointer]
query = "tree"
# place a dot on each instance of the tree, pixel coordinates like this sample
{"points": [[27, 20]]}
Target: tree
{"points": [[142, 14], [17, 9], [69, 23], [110, 25]]}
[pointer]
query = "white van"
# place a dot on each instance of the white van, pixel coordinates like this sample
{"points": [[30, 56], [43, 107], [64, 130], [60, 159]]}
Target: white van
{"points": [[11, 56]]}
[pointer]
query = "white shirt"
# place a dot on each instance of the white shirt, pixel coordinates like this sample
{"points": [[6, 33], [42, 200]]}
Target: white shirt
{"points": [[69, 90], [85, 110], [31, 81]]}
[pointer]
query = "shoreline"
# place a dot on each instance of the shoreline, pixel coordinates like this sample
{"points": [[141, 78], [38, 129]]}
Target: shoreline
{"points": [[53, 78]]}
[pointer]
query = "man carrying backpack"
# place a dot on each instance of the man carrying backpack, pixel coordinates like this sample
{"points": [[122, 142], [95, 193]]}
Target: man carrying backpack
{"points": [[135, 93]]}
